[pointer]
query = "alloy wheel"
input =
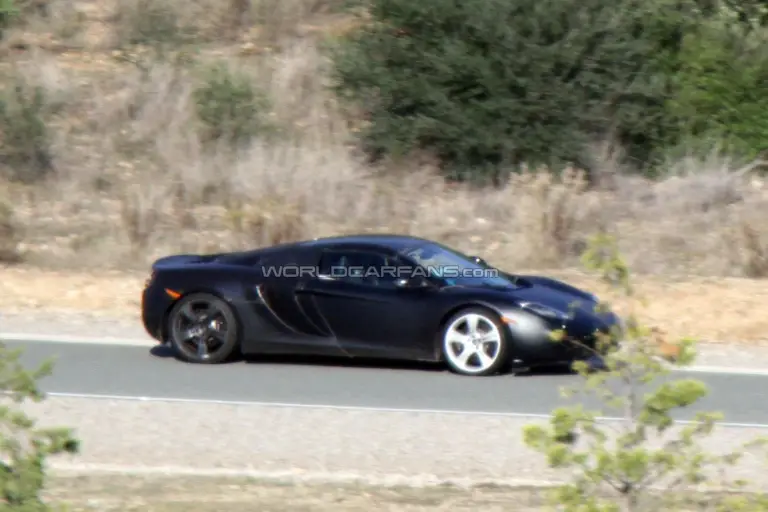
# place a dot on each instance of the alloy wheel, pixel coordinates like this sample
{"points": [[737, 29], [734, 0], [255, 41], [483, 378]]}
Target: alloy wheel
{"points": [[473, 343], [200, 328]]}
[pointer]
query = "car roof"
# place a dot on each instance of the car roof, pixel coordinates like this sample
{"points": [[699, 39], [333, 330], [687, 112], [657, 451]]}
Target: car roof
{"points": [[396, 242]]}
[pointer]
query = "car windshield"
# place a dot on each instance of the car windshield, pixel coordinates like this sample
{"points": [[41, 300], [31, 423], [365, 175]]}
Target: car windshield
{"points": [[454, 267]]}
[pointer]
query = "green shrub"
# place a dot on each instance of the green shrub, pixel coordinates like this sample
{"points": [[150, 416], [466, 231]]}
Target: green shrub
{"points": [[24, 141], [721, 89], [17, 12], [749, 14], [644, 461], [25, 448], [485, 83], [231, 108], [8, 13], [152, 23]]}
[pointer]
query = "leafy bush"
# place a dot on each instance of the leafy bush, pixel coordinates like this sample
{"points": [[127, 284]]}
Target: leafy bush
{"points": [[19, 12], [24, 142], [8, 14], [721, 89], [24, 448], [620, 465], [151, 23], [749, 14], [492, 82], [230, 107]]}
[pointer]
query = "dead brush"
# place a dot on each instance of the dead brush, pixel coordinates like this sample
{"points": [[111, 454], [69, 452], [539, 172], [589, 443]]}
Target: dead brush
{"points": [[236, 17], [395, 205], [549, 210], [751, 245], [182, 203], [10, 235], [744, 237], [150, 23], [268, 220], [756, 264], [280, 20], [140, 214]]}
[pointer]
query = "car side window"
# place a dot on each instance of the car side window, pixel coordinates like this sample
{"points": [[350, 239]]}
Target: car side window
{"points": [[358, 267]]}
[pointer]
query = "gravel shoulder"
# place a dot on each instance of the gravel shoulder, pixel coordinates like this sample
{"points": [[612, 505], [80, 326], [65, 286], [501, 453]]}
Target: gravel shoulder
{"points": [[316, 444]]}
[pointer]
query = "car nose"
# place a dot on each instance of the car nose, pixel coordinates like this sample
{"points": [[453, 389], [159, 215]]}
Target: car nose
{"points": [[611, 320], [585, 323]]}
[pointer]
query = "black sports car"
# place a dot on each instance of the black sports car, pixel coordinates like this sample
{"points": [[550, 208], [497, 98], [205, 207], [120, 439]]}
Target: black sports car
{"points": [[373, 296]]}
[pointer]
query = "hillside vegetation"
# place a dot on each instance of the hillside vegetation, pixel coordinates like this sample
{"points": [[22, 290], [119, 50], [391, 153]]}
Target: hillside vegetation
{"points": [[131, 128]]}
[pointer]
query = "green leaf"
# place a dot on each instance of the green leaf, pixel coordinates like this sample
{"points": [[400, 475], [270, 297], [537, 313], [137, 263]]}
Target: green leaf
{"points": [[25, 448], [615, 465]]}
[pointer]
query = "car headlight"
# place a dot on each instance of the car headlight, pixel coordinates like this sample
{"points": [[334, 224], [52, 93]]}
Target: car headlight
{"points": [[545, 311]]}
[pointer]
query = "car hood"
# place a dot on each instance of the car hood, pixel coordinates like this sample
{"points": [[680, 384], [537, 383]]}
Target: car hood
{"points": [[544, 290], [551, 292]]}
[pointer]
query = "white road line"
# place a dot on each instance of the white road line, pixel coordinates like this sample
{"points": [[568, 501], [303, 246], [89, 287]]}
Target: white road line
{"points": [[758, 372], [355, 408], [149, 342], [90, 340]]}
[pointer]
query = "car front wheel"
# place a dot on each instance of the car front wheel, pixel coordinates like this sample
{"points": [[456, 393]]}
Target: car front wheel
{"points": [[474, 342]]}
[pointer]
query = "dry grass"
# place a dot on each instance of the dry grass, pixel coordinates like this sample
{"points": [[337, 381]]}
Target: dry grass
{"points": [[132, 180], [126, 493], [195, 494]]}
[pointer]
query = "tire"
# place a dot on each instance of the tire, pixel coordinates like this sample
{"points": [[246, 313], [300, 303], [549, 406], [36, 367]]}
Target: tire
{"points": [[452, 338], [203, 318]]}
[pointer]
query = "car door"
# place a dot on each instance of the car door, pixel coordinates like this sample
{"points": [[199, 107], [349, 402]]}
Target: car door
{"points": [[294, 323], [369, 315]]}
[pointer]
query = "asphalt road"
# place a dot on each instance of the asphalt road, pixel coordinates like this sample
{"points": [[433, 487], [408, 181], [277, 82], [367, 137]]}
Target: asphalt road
{"points": [[150, 372]]}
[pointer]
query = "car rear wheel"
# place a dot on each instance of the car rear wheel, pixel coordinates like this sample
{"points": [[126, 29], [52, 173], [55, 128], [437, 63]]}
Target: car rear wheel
{"points": [[203, 329], [474, 342]]}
